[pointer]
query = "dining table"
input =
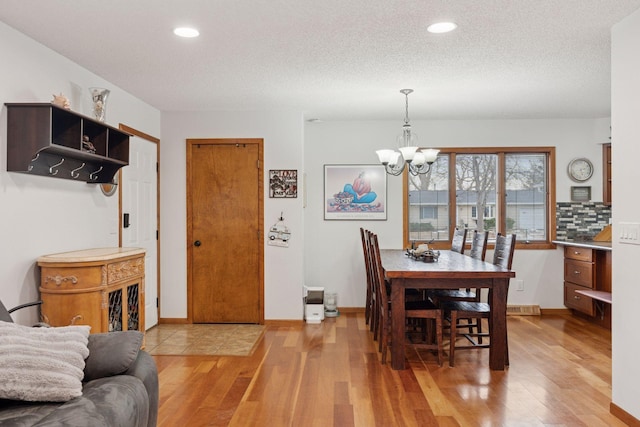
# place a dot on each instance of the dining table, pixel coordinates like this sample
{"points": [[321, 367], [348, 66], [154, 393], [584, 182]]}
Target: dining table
{"points": [[451, 270]]}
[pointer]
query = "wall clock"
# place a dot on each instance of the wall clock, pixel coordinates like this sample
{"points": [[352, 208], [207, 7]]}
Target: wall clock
{"points": [[580, 169]]}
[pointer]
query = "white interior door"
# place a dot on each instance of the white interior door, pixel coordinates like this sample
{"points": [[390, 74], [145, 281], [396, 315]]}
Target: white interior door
{"points": [[139, 201]]}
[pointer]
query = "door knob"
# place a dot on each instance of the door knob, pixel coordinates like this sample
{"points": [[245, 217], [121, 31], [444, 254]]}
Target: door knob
{"points": [[197, 243]]}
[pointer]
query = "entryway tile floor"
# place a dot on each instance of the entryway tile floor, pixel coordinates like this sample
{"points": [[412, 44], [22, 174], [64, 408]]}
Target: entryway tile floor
{"points": [[203, 339]]}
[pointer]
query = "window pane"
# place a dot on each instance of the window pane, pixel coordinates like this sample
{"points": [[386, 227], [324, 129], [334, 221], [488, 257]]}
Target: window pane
{"points": [[429, 203], [476, 192], [526, 187]]}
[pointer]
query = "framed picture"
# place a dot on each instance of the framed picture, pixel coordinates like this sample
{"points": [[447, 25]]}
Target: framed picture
{"points": [[355, 192], [580, 194], [283, 183]]}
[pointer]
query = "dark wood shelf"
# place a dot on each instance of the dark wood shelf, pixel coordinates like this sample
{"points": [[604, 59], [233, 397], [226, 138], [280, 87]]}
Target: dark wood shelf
{"points": [[44, 139]]}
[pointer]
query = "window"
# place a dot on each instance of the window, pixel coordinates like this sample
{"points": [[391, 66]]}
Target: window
{"points": [[507, 190], [488, 211], [428, 212]]}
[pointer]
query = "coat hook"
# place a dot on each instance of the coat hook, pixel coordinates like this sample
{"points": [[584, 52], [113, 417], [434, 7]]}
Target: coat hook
{"points": [[74, 173], [30, 168], [56, 165], [94, 175]]}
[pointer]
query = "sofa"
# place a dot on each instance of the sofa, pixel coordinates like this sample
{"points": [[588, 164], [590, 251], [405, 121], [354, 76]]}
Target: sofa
{"points": [[118, 385]]}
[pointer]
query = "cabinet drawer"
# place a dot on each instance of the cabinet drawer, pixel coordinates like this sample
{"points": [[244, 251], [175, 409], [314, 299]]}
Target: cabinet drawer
{"points": [[577, 253], [579, 272], [576, 301], [123, 270], [66, 279]]}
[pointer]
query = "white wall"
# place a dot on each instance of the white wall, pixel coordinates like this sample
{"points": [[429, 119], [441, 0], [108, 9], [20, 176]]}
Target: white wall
{"points": [[333, 252], [625, 108], [283, 147], [42, 215]]}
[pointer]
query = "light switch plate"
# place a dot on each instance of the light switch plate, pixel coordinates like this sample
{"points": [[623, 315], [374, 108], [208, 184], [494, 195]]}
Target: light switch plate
{"points": [[629, 233]]}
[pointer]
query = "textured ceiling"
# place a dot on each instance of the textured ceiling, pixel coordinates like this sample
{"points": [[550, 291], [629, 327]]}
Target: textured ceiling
{"points": [[342, 59]]}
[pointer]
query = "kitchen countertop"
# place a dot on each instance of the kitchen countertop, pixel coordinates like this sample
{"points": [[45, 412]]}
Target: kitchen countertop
{"points": [[589, 244]]}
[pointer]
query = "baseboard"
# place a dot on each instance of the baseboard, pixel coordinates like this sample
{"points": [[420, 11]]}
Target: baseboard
{"points": [[562, 311], [523, 310], [351, 309], [623, 415]]}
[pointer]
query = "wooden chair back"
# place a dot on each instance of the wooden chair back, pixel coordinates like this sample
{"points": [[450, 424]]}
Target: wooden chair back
{"points": [[504, 249], [479, 245], [458, 240]]}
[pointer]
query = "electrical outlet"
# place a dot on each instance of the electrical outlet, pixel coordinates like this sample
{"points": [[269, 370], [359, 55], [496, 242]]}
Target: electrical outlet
{"points": [[520, 285]]}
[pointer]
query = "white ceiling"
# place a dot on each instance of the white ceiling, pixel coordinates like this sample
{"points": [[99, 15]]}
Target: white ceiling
{"points": [[342, 59]]}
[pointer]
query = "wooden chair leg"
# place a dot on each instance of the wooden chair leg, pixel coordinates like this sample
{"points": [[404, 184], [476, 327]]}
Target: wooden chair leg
{"points": [[439, 337], [384, 342], [452, 340], [367, 307]]}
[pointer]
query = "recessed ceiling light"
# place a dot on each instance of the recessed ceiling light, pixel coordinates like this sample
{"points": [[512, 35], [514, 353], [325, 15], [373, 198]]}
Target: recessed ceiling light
{"points": [[441, 27], [186, 32]]}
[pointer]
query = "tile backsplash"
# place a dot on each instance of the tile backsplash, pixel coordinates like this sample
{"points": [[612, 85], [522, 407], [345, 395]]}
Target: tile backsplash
{"points": [[580, 220]]}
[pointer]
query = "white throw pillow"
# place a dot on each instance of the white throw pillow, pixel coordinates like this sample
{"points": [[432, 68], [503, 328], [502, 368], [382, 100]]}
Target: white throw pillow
{"points": [[42, 364]]}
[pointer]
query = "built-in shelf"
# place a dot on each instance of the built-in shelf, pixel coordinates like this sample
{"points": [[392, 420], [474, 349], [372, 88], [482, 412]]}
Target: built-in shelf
{"points": [[44, 139]]}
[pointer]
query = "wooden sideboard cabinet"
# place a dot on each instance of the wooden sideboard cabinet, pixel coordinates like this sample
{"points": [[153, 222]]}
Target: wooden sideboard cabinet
{"points": [[102, 288], [587, 282]]}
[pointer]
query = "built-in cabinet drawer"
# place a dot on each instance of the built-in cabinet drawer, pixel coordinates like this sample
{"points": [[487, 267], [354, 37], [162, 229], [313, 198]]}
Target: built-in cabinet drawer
{"points": [[579, 272], [576, 301], [579, 254]]}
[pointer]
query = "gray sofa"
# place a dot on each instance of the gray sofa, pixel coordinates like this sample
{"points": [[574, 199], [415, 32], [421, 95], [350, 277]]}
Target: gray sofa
{"points": [[120, 388]]}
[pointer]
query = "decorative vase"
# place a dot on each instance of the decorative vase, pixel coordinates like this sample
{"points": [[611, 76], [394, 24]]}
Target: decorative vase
{"points": [[99, 97]]}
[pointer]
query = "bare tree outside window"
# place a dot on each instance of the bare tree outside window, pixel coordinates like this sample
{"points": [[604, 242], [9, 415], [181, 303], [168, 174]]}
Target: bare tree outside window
{"points": [[476, 191]]}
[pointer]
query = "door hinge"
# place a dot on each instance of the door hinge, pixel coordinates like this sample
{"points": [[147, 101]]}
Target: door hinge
{"points": [[157, 303], [157, 167], [258, 163], [157, 234]]}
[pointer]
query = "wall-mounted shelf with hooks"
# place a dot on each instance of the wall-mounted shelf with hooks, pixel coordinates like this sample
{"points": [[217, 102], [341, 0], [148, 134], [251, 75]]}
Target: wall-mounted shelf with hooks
{"points": [[44, 139]]}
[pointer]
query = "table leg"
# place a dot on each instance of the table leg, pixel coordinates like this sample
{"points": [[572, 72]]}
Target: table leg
{"points": [[397, 324], [498, 349]]}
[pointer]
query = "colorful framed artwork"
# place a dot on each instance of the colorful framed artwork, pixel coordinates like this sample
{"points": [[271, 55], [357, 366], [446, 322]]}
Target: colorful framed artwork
{"points": [[283, 183], [355, 192]]}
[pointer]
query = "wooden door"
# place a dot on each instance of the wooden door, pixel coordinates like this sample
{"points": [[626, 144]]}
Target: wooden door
{"points": [[225, 230]]}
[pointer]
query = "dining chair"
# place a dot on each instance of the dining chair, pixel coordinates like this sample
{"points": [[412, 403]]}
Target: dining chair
{"points": [[364, 236], [459, 239], [478, 251], [455, 310], [414, 309]]}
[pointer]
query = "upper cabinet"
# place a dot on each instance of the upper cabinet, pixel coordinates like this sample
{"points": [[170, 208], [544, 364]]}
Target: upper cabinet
{"points": [[606, 174], [44, 139]]}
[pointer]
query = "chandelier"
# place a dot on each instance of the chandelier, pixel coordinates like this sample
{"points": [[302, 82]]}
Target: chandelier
{"points": [[418, 160]]}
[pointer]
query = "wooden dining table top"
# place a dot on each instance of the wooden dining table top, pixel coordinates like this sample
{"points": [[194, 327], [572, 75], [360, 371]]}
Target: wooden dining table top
{"points": [[449, 265]]}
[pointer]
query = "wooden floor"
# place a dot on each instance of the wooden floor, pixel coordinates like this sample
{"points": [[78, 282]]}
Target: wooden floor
{"points": [[329, 374]]}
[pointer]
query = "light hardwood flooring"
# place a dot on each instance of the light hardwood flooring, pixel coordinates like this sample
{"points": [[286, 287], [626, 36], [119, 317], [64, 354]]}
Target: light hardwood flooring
{"points": [[330, 374]]}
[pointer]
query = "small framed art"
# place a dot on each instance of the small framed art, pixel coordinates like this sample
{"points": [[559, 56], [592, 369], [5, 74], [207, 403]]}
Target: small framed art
{"points": [[355, 192], [580, 194], [283, 183]]}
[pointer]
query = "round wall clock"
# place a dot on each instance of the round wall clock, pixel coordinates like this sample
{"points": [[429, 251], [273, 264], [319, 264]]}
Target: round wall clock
{"points": [[580, 169]]}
